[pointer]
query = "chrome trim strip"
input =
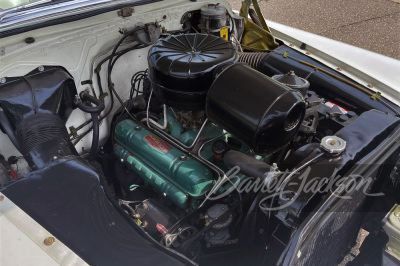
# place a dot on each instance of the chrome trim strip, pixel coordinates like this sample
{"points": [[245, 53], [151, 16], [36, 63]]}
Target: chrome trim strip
{"points": [[21, 17]]}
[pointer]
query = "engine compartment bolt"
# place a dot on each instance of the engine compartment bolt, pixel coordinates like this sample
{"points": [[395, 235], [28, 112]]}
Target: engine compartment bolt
{"points": [[183, 158], [370, 86], [122, 160], [49, 241], [41, 68], [136, 216], [3, 80], [397, 214], [339, 69], [55, 157], [1, 198], [138, 128]]}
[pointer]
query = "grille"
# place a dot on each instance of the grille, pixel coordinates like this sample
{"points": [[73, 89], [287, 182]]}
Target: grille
{"points": [[329, 244]]}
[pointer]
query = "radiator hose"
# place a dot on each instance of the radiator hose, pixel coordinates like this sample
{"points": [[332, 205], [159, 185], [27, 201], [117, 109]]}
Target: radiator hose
{"points": [[248, 165]]}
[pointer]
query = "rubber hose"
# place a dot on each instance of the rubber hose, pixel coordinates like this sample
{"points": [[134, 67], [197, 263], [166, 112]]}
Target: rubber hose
{"points": [[95, 112], [248, 165], [97, 109], [95, 139]]}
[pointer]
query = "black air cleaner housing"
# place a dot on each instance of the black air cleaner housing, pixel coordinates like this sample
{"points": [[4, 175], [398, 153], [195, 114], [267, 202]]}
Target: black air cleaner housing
{"points": [[256, 109], [181, 68]]}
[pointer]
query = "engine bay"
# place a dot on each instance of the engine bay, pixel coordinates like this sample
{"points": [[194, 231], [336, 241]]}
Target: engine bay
{"points": [[199, 149]]}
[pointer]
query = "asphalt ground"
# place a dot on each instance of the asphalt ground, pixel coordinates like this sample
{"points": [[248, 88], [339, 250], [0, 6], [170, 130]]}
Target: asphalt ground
{"points": [[370, 24]]}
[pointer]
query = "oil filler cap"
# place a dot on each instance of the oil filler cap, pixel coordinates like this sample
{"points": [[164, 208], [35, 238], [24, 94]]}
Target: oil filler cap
{"points": [[333, 145]]}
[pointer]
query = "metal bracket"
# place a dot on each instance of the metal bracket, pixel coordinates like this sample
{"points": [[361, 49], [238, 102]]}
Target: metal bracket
{"points": [[73, 131], [376, 96], [126, 11], [102, 96]]}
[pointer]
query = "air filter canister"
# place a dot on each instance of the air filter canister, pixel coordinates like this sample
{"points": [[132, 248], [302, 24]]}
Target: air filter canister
{"points": [[181, 68], [256, 109]]}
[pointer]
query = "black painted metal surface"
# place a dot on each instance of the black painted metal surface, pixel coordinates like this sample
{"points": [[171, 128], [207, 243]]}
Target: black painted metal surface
{"points": [[361, 138], [49, 91], [325, 85], [68, 199]]}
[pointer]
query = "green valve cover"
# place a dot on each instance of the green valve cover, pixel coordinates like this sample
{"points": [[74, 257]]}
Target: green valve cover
{"points": [[162, 166]]}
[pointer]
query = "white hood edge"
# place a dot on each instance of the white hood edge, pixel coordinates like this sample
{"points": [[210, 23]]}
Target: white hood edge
{"points": [[364, 66]]}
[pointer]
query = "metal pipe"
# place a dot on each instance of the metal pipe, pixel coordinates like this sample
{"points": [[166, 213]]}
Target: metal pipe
{"points": [[148, 120]]}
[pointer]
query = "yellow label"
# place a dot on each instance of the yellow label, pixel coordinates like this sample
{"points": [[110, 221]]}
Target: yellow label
{"points": [[138, 222], [224, 33]]}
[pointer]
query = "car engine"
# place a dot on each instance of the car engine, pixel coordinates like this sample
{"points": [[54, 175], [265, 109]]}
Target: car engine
{"points": [[207, 125]]}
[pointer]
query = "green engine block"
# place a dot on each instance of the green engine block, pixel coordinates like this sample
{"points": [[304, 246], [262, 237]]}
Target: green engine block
{"points": [[171, 172]]}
